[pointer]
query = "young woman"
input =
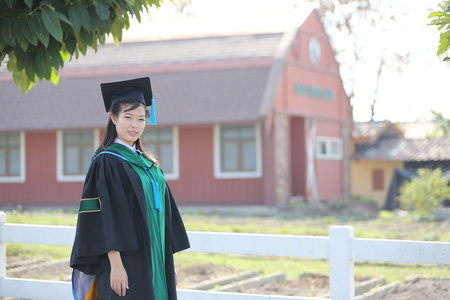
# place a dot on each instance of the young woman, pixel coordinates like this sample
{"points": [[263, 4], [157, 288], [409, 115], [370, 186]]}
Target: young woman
{"points": [[128, 223]]}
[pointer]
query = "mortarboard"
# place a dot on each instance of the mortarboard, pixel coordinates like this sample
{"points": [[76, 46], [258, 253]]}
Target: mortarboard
{"points": [[139, 89]]}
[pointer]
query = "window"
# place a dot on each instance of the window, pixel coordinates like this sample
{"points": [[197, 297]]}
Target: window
{"points": [[12, 157], [75, 150], [328, 148], [163, 143], [237, 151], [377, 180]]}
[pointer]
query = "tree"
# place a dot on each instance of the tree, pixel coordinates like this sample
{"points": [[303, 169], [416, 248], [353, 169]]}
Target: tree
{"points": [[358, 30], [441, 19], [442, 125], [38, 37], [424, 192]]}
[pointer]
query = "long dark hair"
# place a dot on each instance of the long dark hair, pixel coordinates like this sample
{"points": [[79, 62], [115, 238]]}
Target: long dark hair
{"points": [[111, 133]]}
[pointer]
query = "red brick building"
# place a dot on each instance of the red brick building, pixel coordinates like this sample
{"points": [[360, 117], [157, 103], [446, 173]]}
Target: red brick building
{"points": [[255, 118]]}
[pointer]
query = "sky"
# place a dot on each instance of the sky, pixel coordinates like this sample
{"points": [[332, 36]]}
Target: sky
{"points": [[405, 96]]}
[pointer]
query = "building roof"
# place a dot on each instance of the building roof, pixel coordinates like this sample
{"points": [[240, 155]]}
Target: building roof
{"points": [[181, 98], [367, 129], [204, 49], [399, 142], [373, 130], [193, 95], [402, 149]]}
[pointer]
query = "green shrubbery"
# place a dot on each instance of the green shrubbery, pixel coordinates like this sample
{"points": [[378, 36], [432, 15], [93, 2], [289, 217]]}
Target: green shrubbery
{"points": [[424, 192]]}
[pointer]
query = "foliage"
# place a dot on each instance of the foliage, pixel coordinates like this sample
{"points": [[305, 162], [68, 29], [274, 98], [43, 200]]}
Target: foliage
{"points": [[39, 36], [442, 125], [424, 192], [355, 28], [441, 19], [362, 199]]}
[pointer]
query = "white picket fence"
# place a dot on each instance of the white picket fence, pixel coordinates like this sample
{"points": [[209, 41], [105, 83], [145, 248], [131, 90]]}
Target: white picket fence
{"points": [[340, 248]]}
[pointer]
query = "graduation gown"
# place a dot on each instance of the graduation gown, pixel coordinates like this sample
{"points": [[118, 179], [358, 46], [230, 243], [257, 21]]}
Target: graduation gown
{"points": [[113, 216]]}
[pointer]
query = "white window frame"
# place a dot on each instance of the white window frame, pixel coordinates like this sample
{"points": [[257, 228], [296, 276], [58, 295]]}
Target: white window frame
{"points": [[175, 156], [175, 175], [219, 174], [328, 141], [22, 177], [59, 157]]}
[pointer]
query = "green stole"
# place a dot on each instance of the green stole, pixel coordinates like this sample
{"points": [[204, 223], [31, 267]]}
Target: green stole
{"points": [[154, 185]]}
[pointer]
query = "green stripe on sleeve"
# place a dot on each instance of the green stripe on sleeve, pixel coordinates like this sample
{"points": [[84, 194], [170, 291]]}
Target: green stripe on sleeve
{"points": [[90, 205]]}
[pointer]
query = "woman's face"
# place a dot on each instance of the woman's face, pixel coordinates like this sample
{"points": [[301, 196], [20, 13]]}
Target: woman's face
{"points": [[130, 124]]}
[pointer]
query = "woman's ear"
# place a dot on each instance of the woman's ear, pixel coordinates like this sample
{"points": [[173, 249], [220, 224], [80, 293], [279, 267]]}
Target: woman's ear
{"points": [[113, 119]]}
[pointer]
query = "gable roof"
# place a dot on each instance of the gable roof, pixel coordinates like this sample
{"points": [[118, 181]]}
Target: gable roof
{"points": [[204, 49], [399, 142], [373, 130], [401, 149], [191, 97]]}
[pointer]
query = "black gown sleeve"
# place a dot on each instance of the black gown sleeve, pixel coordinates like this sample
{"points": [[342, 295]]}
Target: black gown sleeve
{"points": [[174, 224], [110, 227], [176, 240]]}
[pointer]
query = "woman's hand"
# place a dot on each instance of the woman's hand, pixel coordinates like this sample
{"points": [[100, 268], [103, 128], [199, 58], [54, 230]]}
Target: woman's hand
{"points": [[176, 277], [119, 277]]}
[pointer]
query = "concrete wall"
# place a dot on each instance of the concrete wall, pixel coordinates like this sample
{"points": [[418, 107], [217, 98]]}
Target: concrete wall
{"points": [[362, 178]]}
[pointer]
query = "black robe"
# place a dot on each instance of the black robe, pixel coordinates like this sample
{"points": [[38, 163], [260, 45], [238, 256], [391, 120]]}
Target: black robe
{"points": [[121, 224]]}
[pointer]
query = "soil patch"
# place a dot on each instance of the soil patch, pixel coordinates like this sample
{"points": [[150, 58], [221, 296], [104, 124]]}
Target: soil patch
{"points": [[192, 275], [429, 289], [308, 285]]}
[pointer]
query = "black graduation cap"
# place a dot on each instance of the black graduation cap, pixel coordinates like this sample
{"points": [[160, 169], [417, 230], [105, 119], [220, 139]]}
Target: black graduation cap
{"points": [[139, 89]]}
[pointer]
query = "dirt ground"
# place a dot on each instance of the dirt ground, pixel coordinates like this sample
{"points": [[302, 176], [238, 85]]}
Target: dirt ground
{"points": [[429, 289], [308, 285]]}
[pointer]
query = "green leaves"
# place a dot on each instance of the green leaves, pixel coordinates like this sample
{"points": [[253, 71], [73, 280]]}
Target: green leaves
{"points": [[441, 20], [424, 192], [51, 22], [27, 29], [79, 17], [444, 42], [39, 36], [8, 32], [102, 9], [39, 28], [29, 3]]}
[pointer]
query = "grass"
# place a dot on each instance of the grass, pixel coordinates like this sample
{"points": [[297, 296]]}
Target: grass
{"points": [[383, 225]]}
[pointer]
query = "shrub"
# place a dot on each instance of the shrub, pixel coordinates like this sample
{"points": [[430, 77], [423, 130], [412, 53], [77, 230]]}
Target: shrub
{"points": [[424, 192]]}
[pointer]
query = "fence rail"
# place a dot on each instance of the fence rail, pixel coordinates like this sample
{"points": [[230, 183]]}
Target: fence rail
{"points": [[340, 248]]}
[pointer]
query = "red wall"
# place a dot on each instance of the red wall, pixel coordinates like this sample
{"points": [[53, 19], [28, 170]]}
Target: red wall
{"points": [[40, 186], [197, 185]]}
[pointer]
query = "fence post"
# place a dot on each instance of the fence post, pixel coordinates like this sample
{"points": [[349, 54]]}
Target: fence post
{"points": [[342, 274], [2, 249]]}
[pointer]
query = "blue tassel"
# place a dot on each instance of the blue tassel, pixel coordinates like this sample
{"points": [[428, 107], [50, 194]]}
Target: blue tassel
{"points": [[155, 188], [156, 195], [152, 114]]}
